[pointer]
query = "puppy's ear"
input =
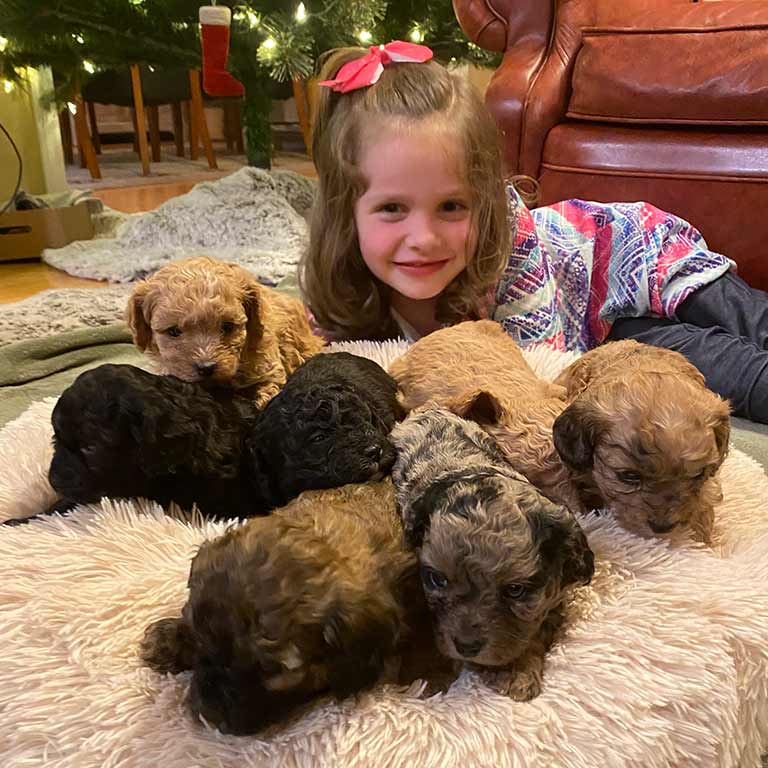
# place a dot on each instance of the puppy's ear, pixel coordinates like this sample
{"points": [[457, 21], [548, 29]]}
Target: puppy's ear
{"points": [[358, 645], [253, 304], [721, 425], [575, 433], [478, 405], [562, 544], [137, 315]]}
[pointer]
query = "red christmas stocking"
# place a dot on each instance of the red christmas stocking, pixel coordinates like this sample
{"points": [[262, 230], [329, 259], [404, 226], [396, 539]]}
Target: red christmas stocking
{"points": [[214, 36]]}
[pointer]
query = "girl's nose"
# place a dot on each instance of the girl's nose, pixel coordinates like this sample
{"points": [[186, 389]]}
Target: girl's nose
{"points": [[423, 233]]}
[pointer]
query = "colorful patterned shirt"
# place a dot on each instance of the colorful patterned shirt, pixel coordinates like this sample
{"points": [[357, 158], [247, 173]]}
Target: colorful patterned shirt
{"points": [[577, 266]]}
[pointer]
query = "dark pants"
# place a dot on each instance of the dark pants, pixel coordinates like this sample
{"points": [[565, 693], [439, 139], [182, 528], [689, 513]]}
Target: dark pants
{"points": [[722, 329]]}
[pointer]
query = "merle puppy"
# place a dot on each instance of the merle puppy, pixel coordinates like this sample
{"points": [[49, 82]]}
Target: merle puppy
{"points": [[122, 432]]}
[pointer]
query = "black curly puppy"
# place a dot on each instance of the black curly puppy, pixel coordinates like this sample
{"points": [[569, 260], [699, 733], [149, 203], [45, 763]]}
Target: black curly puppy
{"points": [[327, 427], [122, 432]]}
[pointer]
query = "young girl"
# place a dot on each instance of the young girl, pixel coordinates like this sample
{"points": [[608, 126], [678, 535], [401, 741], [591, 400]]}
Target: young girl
{"points": [[414, 228]]}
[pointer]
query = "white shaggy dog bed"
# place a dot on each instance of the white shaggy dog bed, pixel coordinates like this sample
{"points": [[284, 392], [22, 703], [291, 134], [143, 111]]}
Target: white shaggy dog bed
{"points": [[665, 660]]}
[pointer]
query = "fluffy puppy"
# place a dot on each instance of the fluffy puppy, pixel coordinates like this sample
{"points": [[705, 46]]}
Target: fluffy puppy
{"points": [[477, 371], [308, 600], [327, 427], [644, 436], [497, 558], [210, 321], [122, 432]]}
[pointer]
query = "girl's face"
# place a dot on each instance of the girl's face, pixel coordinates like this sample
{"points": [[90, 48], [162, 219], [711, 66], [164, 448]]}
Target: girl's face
{"points": [[414, 222]]}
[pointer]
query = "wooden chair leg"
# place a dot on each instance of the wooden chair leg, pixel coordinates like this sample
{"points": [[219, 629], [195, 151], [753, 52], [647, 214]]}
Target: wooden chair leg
{"points": [[229, 134], [141, 133], [94, 127], [84, 139], [299, 95], [238, 125], [194, 139], [153, 113], [198, 115], [178, 128], [65, 128]]}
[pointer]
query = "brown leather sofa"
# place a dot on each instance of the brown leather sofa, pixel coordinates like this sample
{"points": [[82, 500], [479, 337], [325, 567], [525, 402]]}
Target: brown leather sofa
{"points": [[620, 100]]}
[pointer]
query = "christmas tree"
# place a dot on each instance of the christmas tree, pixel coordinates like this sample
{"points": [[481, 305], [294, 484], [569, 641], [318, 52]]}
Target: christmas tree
{"points": [[271, 42]]}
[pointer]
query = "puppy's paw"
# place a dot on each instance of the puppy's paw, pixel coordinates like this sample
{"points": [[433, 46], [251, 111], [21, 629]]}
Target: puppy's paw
{"points": [[167, 647], [518, 685]]}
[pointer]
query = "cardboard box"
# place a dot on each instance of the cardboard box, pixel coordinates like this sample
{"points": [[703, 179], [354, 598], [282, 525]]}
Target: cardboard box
{"points": [[24, 234]]}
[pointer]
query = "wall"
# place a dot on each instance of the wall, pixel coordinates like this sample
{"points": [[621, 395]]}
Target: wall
{"points": [[36, 134]]}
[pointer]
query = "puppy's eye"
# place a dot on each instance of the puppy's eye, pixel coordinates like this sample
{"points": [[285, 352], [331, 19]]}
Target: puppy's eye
{"points": [[513, 591], [317, 437], [173, 331], [433, 579], [227, 328], [628, 477]]}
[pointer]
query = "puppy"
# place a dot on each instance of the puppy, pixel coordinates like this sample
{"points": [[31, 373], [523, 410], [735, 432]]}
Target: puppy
{"points": [[497, 558], [477, 371], [311, 599], [327, 427], [210, 321], [122, 432], [644, 436]]}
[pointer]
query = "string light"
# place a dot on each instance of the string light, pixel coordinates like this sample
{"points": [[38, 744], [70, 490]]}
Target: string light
{"points": [[364, 36], [7, 86], [416, 35], [78, 38], [89, 67], [253, 19], [301, 13], [3, 43], [270, 43]]}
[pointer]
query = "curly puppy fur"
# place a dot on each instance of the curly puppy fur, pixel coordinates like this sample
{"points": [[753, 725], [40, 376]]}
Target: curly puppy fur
{"points": [[122, 432], [644, 436], [329, 426], [477, 371], [210, 321], [497, 558], [311, 599]]}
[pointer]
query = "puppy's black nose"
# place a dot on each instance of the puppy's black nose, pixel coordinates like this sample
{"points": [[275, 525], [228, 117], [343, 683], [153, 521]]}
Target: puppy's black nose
{"points": [[469, 649], [205, 369], [659, 528], [373, 452]]}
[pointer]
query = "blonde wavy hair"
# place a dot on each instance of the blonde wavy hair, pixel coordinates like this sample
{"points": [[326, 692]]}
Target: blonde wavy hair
{"points": [[347, 300]]}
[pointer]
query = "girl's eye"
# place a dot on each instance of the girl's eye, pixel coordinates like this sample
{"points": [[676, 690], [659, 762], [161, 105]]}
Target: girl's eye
{"points": [[513, 591], [173, 331], [433, 579], [390, 208], [453, 206], [628, 477], [227, 327]]}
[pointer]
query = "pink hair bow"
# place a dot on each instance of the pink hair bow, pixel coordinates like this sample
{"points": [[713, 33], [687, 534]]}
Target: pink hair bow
{"points": [[363, 72]]}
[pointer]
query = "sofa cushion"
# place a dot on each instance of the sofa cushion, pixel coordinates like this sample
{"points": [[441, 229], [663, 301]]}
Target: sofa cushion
{"points": [[716, 76]]}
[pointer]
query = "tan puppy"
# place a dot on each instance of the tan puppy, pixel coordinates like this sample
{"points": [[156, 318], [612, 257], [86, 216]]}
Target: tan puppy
{"points": [[212, 322], [311, 599], [645, 436], [477, 371]]}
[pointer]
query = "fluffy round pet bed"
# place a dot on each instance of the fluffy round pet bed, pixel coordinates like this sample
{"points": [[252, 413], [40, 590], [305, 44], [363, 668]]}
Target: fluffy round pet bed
{"points": [[664, 662]]}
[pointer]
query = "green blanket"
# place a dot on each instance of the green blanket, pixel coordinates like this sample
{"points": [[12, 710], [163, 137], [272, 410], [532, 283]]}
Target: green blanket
{"points": [[32, 370]]}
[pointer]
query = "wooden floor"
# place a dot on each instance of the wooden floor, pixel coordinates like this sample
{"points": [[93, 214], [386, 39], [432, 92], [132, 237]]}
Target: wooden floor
{"points": [[21, 279]]}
